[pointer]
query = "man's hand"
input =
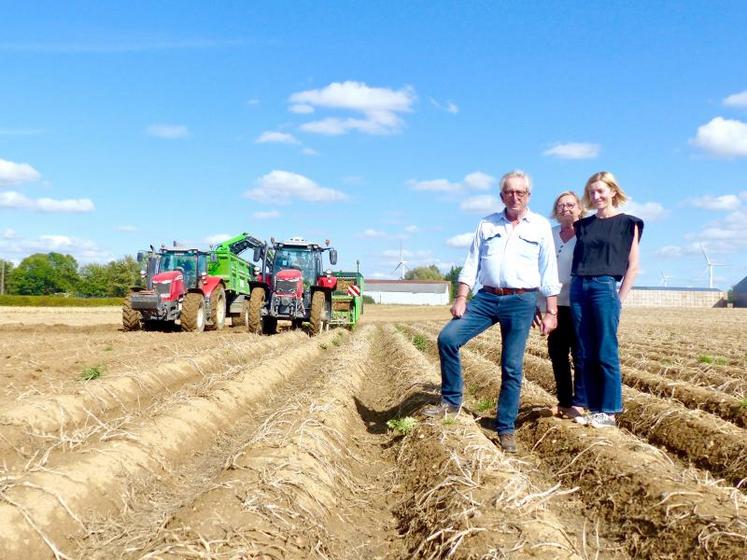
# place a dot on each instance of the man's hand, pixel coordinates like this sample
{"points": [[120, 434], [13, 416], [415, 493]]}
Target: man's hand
{"points": [[459, 307], [549, 324]]}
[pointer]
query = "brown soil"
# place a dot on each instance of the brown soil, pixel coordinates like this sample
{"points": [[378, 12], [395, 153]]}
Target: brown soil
{"points": [[231, 445]]}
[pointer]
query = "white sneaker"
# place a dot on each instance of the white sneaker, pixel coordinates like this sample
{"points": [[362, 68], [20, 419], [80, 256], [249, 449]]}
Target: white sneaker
{"points": [[602, 420], [583, 419]]}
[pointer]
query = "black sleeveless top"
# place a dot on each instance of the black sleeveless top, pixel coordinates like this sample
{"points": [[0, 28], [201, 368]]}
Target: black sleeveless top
{"points": [[603, 245]]}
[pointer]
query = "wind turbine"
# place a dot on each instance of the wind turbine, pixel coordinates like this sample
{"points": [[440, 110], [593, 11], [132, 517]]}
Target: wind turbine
{"points": [[402, 264], [710, 264], [665, 279]]}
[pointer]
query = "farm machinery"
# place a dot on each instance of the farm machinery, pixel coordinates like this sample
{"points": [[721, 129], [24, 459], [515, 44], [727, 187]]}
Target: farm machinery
{"points": [[292, 286], [193, 289], [347, 299]]}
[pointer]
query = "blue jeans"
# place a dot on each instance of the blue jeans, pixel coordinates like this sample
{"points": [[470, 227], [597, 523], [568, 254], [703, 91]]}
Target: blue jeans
{"points": [[514, 313], [595, 307]]}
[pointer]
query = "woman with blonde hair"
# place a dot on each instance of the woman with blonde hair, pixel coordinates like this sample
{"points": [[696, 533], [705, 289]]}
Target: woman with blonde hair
{"points": [[606, 253], [561, 343]]}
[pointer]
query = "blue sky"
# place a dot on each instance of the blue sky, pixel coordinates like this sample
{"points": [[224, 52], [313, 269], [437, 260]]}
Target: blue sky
{"points": [[369, 123]]}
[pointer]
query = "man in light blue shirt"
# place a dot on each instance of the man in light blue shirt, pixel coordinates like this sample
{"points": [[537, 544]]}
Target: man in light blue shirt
{"points": [[512, 258]]}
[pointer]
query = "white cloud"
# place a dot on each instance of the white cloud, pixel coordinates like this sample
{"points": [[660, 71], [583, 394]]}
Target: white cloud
{"points": [[449, 107], [722, 137], [12, 173], [743, 195], [723, 202], [126, 229], [266, 214], [573, 150], [412, 229], [461, 240], [373, 233], [380, 107], [167, 131], [253, 101], [483, 204], [8, 233], [476, 180], [436, 185], [12, 199], [647, 211], [83, 250], [276, 137], [281, 187], [301, 109], [309, 151], [479, 180], [737, 100]]}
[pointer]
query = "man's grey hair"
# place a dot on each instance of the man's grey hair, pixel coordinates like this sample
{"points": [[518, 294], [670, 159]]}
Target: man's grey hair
{"points": [[516, 173]]}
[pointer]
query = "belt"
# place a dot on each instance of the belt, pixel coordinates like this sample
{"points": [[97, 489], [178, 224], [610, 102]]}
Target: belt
{"points": [[507, 291]]}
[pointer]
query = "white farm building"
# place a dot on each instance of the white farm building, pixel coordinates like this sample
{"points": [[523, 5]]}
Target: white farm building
{"points": [[409, 292]]}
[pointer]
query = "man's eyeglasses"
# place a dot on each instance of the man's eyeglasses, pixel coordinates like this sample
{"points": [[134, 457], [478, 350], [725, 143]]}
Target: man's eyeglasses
{"points": [[517, 194]]}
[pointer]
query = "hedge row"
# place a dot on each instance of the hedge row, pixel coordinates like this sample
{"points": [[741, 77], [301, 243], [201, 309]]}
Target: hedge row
{"points": [[58, 301]]}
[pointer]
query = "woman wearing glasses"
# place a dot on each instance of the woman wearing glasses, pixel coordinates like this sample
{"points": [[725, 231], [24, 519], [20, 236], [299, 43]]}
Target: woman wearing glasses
{"points": [[606, 253], [561, 343]]}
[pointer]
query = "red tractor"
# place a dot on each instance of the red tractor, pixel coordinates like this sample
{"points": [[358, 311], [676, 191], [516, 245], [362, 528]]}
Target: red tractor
{"points": [[178, 291], [293, 286]]}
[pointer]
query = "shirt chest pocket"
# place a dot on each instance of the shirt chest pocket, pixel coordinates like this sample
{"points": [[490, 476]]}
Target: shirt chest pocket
{"points": [[528, 245], [492, 246]]}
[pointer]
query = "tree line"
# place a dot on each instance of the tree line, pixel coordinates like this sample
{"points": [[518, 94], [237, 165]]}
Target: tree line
{"points": [[44, 274]]}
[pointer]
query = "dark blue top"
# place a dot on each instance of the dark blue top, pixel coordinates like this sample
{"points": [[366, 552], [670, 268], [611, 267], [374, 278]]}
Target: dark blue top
{"points": [[603, 245]]}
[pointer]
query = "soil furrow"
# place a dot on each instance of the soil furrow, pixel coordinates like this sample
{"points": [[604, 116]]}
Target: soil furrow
{"points": [[648, 504], [31, 516], [103, 405]]}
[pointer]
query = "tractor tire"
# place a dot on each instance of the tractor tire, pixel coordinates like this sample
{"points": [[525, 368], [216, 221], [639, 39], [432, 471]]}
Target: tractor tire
{"points": [[193, 313], [318, 313], [242, 319], [254, 313], [131, 320], [217, 309], [270, 325]]}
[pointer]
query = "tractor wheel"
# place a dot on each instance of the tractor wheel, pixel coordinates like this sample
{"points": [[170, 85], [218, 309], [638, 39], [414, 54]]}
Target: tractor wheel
{"points": [[217, 309], [254, 313], [193, 313], [270, 325], [318, 315], [131, 320], [241, 320]]}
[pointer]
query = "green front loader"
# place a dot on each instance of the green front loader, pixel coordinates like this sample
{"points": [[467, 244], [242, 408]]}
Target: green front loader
{"points": [[237, 272], [347, 299]]}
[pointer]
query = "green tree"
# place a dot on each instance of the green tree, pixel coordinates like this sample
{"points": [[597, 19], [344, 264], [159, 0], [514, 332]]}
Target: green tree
{"points": [[453, 277], [94, 280], [110, 280], [46, 274], [6, 277], [424, 273], [123, 275]]}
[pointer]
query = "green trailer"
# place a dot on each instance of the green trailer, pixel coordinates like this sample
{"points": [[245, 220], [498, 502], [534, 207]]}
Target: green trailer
{"points": [[347, 299], [237, 272]]}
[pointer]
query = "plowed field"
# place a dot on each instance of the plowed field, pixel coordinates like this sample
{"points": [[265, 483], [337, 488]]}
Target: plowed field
{"points": [[228, 445]]}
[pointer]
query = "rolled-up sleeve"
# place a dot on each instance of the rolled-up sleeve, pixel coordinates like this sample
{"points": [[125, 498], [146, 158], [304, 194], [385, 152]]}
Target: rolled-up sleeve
{"points": [[472, 262], [548, 264]]}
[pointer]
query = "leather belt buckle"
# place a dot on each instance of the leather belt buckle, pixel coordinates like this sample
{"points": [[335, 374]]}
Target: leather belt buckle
{"points": [[507, 291]]}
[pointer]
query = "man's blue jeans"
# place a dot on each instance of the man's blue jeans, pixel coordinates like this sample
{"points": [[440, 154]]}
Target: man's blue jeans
{"points": [[595, 307], [515, 314]]}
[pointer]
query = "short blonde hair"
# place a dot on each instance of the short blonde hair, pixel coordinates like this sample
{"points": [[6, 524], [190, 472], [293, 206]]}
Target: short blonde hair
{"points": [[554, 213], [609, 179]]}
